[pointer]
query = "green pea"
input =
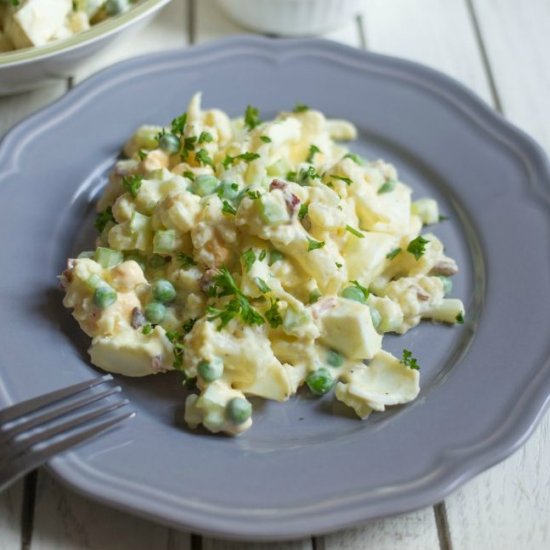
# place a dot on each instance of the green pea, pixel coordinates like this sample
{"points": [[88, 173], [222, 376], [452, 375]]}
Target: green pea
{"points": [[334, 358], [210, 370], [205, 185], [155, 312], [447, 284], [163, 291], [169, 143], [354, 293], [104, 296], [320, 381], [228, 190], [375, 317], [239, 410]]}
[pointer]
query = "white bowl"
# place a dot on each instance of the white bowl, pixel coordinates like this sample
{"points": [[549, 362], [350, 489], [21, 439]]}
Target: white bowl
{"points": [[292, 17], [30, 68]]}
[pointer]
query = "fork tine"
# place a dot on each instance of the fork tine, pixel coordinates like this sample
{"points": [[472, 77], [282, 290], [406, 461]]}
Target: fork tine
{"points": [[30, 405], [32, 460], [18, 447], [10, 433]]}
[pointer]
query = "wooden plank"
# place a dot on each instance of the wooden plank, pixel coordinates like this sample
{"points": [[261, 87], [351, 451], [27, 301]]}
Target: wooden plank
{"points": [[10, 517], [216, 544], [65, 520], [169, 29], [516, 39], [509, 506], [415, 531], [437, 34]]}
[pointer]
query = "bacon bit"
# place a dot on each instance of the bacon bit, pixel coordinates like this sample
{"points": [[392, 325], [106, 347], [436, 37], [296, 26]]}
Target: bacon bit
{"points": [[138, 319], [277, 184], [156, 364], [445, 266], [292, 202]]}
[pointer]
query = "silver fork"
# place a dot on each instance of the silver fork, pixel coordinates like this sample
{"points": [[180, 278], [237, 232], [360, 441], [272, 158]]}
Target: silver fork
{"points": [[24, 447]]}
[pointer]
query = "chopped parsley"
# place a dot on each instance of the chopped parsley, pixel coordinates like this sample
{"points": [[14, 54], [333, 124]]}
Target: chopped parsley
{"points": [[313, 150], [265, 139], [103, 218], [314, 245], [203, 158], [417, 247], [355, 232], [147, 328], [314, 295], [247, 157], [364, 290], [273, 316], [387, 187], [188, 325], [252, 117], [347, 181], [176, 339], [262, 285], [300, 108], [391, 255], [205, 137], [275, 256], [460, 318], [189, 175], [248, 257], [132, 184], [228, 208], [178, 125], [142, 154], [253, 195], [225, 285], [442, 218], [262, 255], [355, 158], [303, 212], [409, 361], [185, 260], [338, 264]]}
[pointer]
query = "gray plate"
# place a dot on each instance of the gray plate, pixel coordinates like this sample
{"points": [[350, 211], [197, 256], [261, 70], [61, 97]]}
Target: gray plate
{"points": [[306, 466]]}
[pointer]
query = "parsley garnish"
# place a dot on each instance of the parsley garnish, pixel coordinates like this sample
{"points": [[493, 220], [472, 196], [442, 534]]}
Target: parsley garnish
{"points": [[132, 184], [314, 245], [300, 108], [292, 176], [313, 150], [303, 176], [248, 157], [205, 137], [355, 158], [303, 212], [252, 117], [347, 181], [248, 257], [364, 290], [185, 260], [391, 255], [188, 325], [253, 195], [262, 285], [338, 265], [203, 158], [228, 208], [275, 256], [147, 328], [189, 175], [189, 143], [265, 139], [387, 187], [176, 339], [355, 232], [224, 285], [409, 361], [314, 295], [103, 218], [262, 255], [273, 316], [460, 318], [442, 218], [142, 154], [178, 124], [227, 161], [417, 247]]}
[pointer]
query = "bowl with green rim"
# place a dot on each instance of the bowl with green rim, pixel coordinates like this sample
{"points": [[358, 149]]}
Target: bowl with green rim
{"points": [[31, 68]]}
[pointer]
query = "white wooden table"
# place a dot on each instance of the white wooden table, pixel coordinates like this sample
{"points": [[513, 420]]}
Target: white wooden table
{"points": [[498, 48]]}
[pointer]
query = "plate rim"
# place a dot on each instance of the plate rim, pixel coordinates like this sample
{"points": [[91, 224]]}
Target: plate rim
{"points": [[520, 425]]}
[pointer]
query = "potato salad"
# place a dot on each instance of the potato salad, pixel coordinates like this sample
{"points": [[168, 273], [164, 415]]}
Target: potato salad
{"points": [[256, 258], [27, 23]]}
